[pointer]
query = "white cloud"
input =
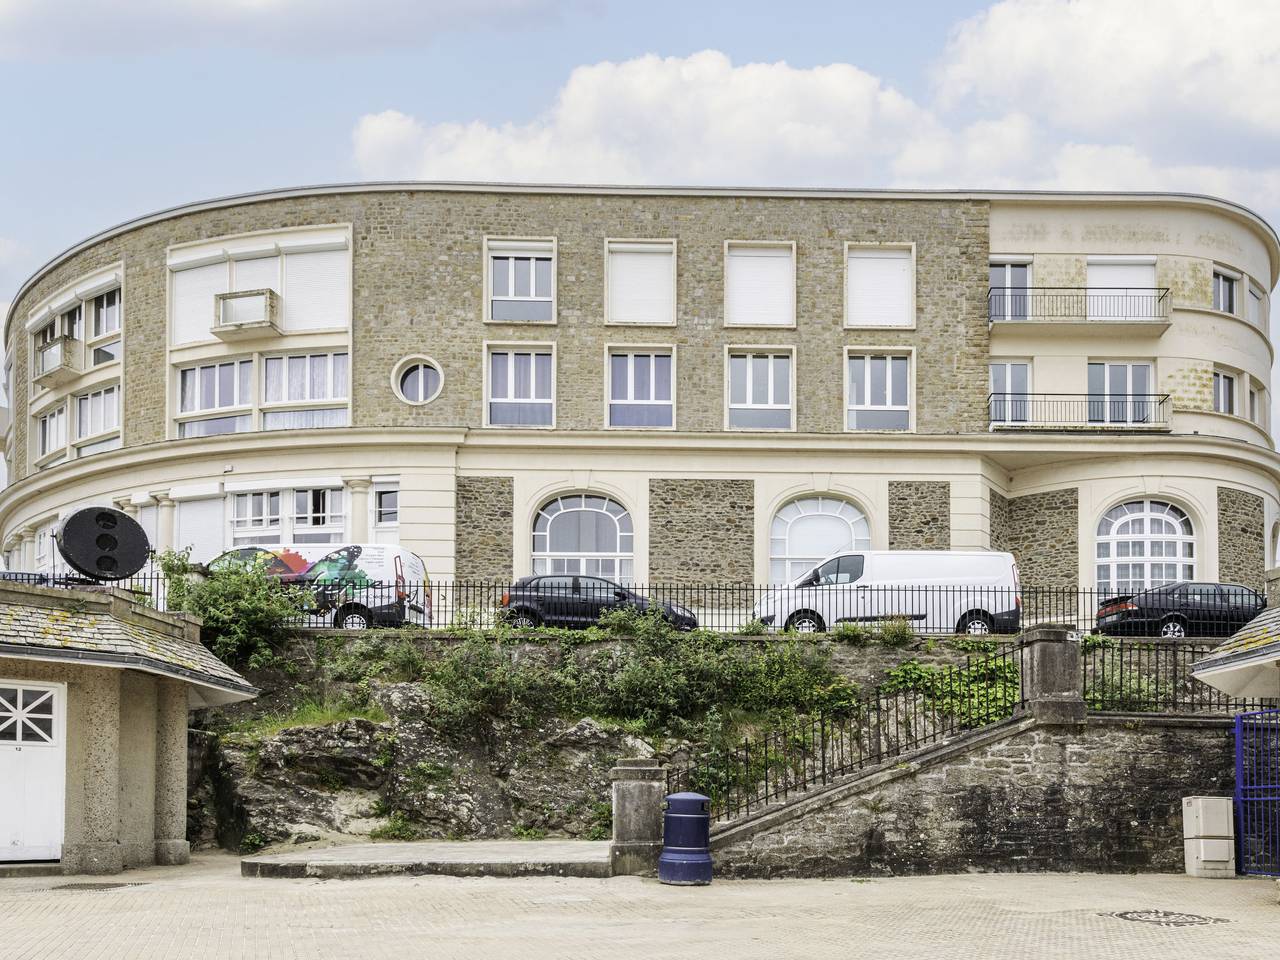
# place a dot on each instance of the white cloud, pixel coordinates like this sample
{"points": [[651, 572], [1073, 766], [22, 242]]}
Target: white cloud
{"points": [[39, 28]]}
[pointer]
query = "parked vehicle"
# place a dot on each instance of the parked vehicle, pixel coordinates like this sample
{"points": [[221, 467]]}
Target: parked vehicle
{"points": [[575, 601], [968, 591], [354, 585], [1180, 610]]}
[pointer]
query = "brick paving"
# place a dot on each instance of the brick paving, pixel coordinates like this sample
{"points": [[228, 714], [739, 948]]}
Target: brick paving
{"points": [[208, 911]]}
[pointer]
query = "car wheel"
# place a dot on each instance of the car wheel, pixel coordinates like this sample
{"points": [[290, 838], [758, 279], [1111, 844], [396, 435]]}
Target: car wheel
{"points": [[805, 621], [523, 620], [353, 618], [1173, 627], [976, 624]]}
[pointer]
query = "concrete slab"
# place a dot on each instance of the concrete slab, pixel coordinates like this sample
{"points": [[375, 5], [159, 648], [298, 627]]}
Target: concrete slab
{"points": [[475, 858]]}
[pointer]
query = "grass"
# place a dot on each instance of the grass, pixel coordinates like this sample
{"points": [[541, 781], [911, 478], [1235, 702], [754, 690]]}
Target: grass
{"points": [[308, 713]]}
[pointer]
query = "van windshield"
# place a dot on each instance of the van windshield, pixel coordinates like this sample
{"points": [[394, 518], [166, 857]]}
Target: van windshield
{"points": [[840, 570]]}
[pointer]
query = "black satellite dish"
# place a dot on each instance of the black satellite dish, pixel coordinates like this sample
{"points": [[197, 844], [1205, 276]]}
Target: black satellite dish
{"points": [[103, 543]]}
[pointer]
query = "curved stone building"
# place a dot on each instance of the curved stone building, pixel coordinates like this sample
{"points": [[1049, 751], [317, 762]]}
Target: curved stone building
{"points": [[661, 383]]}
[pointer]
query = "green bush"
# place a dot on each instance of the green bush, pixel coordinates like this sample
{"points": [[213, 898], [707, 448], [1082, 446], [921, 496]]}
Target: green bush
{"points": [[982, 692], [1123, 690], [854, 634], [397, 827], [753, 628], [897, 632]]}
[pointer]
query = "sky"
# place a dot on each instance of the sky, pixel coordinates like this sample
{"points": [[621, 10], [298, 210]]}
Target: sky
{"points": [[117, 108]]}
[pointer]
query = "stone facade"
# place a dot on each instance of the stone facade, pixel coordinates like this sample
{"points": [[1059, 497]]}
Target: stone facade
{"points": [[1041, 531], [1242, 552], [919, 515], [484, 528], [701, 531], [1104, 796]]}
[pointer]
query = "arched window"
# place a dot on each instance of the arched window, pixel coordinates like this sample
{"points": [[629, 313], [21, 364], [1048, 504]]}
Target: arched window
{"points": [[807, 530], [584, 534], [1144, 543]]}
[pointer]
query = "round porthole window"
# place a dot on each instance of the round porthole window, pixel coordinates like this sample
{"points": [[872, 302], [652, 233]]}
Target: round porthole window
{"points": [[418, 380]]}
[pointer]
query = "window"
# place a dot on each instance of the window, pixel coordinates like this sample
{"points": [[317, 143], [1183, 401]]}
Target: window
{"points": [[213, 387], [807, 530], [97, 413], [305, 379], [584, 534], [1008, 296], [640, 389], [879, 287], [1141, 544], [760, 284], [1256, 316], [841, 570], [255, 518], [106, 314], [641, 281], [386, 506], [521, 388], [419, 381], [52, 434], [1121, 393], [1010, 396], [1224, 292], [879, 392], [1257, 405], [317, 516], [1224, 392], [522, 281], [760, 391], [1120, 289]]}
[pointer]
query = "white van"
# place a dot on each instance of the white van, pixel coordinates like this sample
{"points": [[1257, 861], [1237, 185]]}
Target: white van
{"points": [[938, 591]]}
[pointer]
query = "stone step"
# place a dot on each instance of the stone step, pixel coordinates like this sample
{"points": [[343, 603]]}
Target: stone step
{"points": [[471, 858]]}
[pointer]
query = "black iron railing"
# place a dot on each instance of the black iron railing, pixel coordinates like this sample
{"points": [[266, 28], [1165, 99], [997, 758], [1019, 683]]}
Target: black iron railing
{"points": [[1129, 676], [918, 708], [1080, 410], [1088, 304]]}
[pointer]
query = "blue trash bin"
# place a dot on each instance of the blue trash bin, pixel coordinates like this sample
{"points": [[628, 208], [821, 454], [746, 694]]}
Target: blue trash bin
{"points": [[686, 840]]}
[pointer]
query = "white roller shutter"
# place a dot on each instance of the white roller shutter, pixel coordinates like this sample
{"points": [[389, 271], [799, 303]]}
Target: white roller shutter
{"points": [[200, 527], [759, 286], [641, 282], [879, 291], [192, 306], [1132, 276], [317, 290], [260, 273], [1118, 291]]}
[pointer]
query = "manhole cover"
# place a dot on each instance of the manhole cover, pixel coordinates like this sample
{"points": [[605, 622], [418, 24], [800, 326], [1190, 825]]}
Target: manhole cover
{"points": [[94, 886], [1165, 918]]}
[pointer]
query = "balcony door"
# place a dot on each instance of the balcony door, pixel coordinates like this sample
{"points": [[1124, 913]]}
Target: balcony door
{"points": [[1121, 393], [1009, 294], [1121, 290], [1010, 392]]}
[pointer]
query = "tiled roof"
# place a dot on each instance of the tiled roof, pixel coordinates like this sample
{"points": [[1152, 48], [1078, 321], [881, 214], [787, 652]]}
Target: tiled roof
{"points": [[108, 627], [1251, 641]]}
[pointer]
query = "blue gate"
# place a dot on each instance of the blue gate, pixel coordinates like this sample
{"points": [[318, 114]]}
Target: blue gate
{"points": [[1258, 792]]}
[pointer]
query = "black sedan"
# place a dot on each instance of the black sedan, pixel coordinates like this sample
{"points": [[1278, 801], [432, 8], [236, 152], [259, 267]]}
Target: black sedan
{"points": [[576, 601], [1180, 610]]}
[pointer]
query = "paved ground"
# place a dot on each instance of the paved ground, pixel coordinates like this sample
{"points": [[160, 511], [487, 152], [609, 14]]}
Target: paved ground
{"points": [[479, 858], [207, 912]]}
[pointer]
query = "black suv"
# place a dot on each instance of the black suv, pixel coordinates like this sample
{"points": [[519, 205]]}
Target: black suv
{"points": [[1180, 610], [574, 601]]}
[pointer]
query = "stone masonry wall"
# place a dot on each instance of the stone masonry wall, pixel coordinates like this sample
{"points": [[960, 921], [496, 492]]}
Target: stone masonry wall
{"points": [[919, 515], [1041, 531], [1241, 538], [1106, 796], [701, 531], [484, 524], [998, 513]]}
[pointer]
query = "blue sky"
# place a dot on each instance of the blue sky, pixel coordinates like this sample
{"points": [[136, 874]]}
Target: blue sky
{"points": [[115, 109]]}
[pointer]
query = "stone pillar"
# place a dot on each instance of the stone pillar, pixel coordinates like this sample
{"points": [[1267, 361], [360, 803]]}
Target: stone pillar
{"points": [[639, 787], [97, 849], [358, 514], [166, 515], [1051, 674], [27, 548], [1273, 587], [171, 772], [126, 505]]}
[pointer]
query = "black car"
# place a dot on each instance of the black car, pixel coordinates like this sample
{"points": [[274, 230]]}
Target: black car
{"points": [[576, 601], [1180, 610]]}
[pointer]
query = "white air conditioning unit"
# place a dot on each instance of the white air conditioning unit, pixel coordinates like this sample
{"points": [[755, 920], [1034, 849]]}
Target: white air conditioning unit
{"points": [[1208, 837], [246, 314]]}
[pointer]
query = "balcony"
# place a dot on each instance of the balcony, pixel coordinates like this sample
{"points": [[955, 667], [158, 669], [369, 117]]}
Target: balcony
{"points": [[1127, 309], [1082, 412], [246, 314], [59, 361]]}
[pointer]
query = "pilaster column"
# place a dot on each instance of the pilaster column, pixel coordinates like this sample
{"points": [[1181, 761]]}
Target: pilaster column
{"points": [[92, 843], [126, 505], [27, 548], [1051, 675], [171, 772], [166, 515], [358, 512]]}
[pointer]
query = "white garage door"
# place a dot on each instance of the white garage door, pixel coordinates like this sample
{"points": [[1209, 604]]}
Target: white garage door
{"points": [[33, 757]]}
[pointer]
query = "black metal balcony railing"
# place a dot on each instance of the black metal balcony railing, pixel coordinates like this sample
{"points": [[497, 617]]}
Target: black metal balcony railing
{"points": [[1089, 304], [1084, 410]]}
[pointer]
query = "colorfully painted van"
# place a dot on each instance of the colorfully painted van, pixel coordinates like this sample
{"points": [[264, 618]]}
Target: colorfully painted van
{"points": [[353, 585]]}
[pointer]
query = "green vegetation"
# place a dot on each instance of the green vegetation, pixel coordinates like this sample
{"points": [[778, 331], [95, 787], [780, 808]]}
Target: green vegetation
{"points": [[982, 692], [854, 634], [397, 827], [308, 713], [1123, 690], [896, 632]]}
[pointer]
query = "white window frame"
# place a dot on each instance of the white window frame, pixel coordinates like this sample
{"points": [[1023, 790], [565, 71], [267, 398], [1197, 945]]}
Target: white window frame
{"points": [[286, 520], [1256, 306], [416, 360], [656, 247], [1223, 392], [245, 407], [615, 349], [1221, 276], [1108, 398], [54, 453], [1008, 363], [376, 492], [759, 349], [507, 346], [851, 247], [788, 245], [334, 524], [881, 351], [521, 247], [285, 405], [235, 527], [80, 440], [1005, 262]]}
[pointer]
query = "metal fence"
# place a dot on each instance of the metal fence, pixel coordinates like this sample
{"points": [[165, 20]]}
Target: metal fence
{"points": [[1257, 793], [925, 706], [1085, 410], [1046, 304], [1129, 676], [1199, 611]]}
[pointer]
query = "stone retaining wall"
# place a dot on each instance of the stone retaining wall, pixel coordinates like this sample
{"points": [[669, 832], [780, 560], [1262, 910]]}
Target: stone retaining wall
{"points": [[701, 531], [919, 515], [1242, 554]]}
